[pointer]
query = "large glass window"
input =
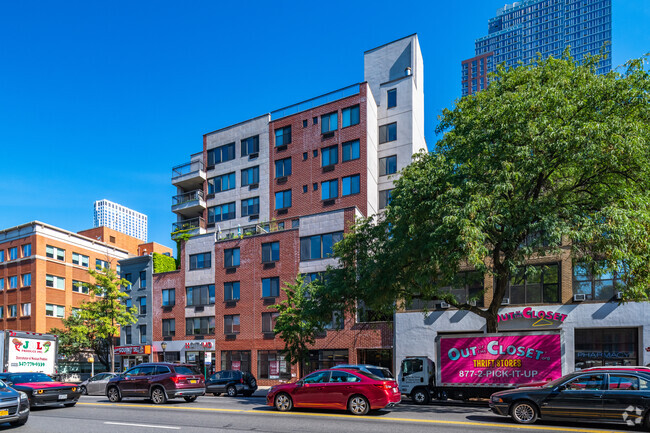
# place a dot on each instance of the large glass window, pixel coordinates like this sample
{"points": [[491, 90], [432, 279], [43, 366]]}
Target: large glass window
{"points": [[79, 287], [268, 322], [13, 281], [329, 122], [350, 150], [13, 253], [283, 136], [200, 295], [270, 252], [388, 165], [231, 291], [231, 324], [50, 252], [384, 198], [221, 183], [350, 116], [52, 310], [388, 133], [52, 281], [26, 250], [283, 199], [319, 246], [325, 359], [596, 347], [597, 287], [230, 257], [283, 167], [329, 189], [329, 155], [221, 154], [535, 284], [168, 297], [26, 280], [250, 176], [222, 212], [236, 360], [250, 145], [350, 185], [199, 325], [271, 287], [80, 260], [272, 365], [250, 206]]}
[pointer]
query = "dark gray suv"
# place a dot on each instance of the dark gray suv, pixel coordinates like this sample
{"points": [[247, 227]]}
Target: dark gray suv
{"points": [[231, 382]]}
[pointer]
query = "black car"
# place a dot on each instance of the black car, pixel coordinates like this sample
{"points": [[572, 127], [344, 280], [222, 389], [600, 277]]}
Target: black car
{"points": [[613, 396], [14, 406], [42, 390], [232, 382]]}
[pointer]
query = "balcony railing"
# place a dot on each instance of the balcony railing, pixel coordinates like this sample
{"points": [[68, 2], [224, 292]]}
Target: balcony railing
{"points": [[187, 168], [256, 229], [315, 102], [191, 224], [187, 197]]}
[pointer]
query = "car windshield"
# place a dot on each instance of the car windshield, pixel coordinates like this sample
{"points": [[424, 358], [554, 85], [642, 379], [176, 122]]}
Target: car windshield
{"points": [[368, 374], [556, 382], [29, 377], [381, 372]]}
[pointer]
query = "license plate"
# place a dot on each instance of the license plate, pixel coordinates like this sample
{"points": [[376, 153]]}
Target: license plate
{"points": [[192, 380], [4, 412], [63, 396]]}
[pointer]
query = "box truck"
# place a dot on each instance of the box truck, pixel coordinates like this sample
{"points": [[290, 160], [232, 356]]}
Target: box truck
{"points": [[23, 351]]}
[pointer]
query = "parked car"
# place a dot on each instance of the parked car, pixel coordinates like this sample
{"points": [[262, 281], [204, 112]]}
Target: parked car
{"points": [[96, 385], [42, 390], [232, 382], [159, 381], [355, 390], [382, 372], [14, 406], [615, 396]]}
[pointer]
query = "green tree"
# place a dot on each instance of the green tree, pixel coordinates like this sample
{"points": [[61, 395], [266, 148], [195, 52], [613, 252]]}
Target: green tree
{"points": [[551, 157], [96, 322]]}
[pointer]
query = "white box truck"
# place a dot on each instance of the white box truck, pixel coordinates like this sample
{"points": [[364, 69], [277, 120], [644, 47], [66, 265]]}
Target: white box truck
{"points": [[23, 351]]}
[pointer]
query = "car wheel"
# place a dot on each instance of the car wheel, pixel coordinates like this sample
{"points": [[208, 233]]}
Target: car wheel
{"points": [[158, 396], [420, 396], [231, 391], [83, 390], [114, 395], [70, 404], [358, 405], [216, 394], [19, 422], [524, 412], [247, 393], [283, 402], [190, 398]]}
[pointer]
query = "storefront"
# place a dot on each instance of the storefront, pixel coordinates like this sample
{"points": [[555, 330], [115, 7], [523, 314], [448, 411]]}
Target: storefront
{"points": [[199, 353], [132, 355], [323, 359]]}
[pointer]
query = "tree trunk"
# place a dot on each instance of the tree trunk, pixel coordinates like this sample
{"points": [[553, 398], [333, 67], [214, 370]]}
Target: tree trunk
{"points": [[491, 325], [112, 355]]}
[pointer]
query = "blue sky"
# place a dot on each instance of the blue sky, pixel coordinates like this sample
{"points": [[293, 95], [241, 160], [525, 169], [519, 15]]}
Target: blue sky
{"points": [[101, 99]]}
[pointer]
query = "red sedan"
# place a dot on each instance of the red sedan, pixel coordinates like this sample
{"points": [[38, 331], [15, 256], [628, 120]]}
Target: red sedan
{"points": [[354, 390]]}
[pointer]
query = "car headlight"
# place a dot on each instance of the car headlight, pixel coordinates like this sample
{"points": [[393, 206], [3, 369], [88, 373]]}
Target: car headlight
{"points": [[497, 400], [40, 391], [74, 388], [23, 396]]}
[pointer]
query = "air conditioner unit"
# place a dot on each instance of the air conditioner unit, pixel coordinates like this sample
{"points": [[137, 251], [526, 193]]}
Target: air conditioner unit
{"points": [[473, 303], [506, 301], [579, 297], [619, 295], [444, 305]]}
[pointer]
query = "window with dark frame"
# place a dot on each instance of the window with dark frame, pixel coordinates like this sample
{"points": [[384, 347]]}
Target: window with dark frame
{"points": [[391, 97], [388, 165], [597, 286], [270, 252], [197, 296], [221, 154], [283, 136], [350, 116], [535, 284], [283, 167], [168, 327], [318, 246], [350, 185], [283, 199], [168, 297], [200, 261], [329, 189], [350, 150], [221, 183], [250, 206], [388, 133], [222, 212], [384, 198], [268, 322], [271, 287], [199, 325], [231, 291], [250, 176], [142, 302], [231, 324], [231, 257], [250, 145], [143, 279], [329, 122], [127, 335], [329, 156]]}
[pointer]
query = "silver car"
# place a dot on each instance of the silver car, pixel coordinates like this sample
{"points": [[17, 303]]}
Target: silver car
{"points": [[96, 385]]}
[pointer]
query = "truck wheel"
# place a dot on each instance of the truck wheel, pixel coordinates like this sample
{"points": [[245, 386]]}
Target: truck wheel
{"points": [[420, 396], [524, 412]]}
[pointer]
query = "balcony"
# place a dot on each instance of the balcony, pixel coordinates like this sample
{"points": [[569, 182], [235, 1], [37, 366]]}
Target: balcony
{"points": [[257, 229], [190, 204], [189, 176], [193, 226]]}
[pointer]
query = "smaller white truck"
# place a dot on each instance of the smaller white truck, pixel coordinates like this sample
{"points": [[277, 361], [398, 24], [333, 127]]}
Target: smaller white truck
{"points": [[23, 351], [477, 365]]}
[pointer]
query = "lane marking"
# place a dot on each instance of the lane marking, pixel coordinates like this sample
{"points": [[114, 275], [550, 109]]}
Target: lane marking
{"points": [[143, 425], [354, 417]]}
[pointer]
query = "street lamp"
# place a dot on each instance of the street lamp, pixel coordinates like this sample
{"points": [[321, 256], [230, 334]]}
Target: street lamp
{"points": [[163, 345]]}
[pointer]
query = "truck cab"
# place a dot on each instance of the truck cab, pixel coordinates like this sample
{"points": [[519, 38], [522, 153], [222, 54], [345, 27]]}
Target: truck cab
{"points": [[416, 378]]}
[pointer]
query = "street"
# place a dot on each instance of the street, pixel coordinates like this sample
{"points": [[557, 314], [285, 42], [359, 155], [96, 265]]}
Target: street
{"points": [[208, 413]]}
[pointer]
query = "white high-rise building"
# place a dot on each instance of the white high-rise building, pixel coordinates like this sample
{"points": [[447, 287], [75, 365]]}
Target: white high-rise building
{"points": [[120, 218]]}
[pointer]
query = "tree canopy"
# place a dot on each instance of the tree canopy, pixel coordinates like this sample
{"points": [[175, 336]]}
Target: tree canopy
{"points": [[550, 156]]}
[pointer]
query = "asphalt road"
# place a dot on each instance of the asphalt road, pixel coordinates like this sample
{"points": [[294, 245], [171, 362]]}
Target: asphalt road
{"points": [[223, 414]]}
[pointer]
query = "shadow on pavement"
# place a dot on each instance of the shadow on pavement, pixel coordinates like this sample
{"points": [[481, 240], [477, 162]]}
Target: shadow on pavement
{"points": [[555, 424]]}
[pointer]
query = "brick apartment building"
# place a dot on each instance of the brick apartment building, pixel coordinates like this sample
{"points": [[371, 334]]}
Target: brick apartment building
{"points": [[266, 199]]}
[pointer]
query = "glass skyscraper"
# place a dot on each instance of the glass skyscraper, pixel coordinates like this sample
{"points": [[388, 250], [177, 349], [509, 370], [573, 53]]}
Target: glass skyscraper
{"points": [[120, 218], [522, 30]]}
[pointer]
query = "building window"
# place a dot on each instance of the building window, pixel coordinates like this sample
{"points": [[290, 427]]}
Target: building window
{"points": [[200, 261], [388, 165], [231, 291], [52, 310], [351, 185], [79, 287], [224, 182], [283, 167], [388, 133], [143, 279], [26, 309], [231, 324], [329, 189], [270, 252], [199, 325], [129, 279], [329, 156], [142, 302], [606, 347], [128, 302], [250, 145], [143, 334], [329, 122], [268, 322], [272, 365], [2, 283], [197, 296], [391, 97], [350, 150], [168, 327], [350, 116], [26, 280], [223, 212], [221, 154], [283, 136], [271, 287], [2, 256], [230, 257], [80, 260], [100, 265], [250, 176], [12, 310], [13, 282], [127, 335], [535, 284], [2, 312], [250, 206], [595, 287], [318, 246], [13, 253], [54, 281], [236, 360], [384, 198], [26, 250], [51, 252], [465, 287], [283, 199], [168, 297]]}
